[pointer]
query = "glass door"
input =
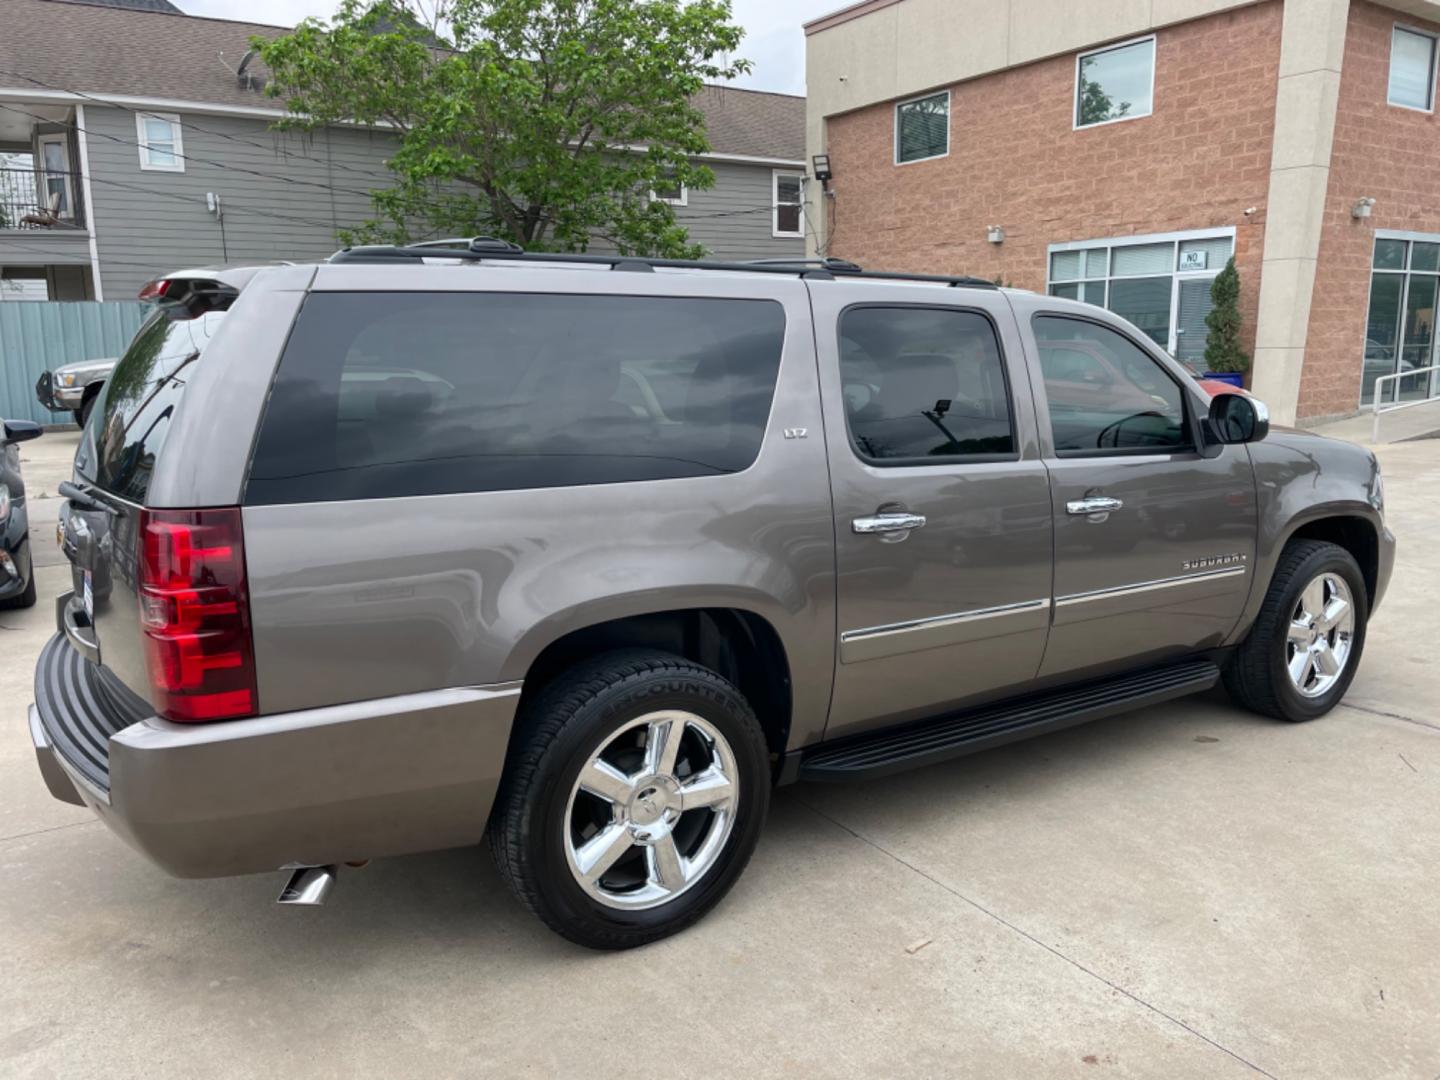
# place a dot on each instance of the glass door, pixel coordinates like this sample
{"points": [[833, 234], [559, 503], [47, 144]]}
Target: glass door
{"points": [[1192, 304], [55, 176], [1400, 319]]}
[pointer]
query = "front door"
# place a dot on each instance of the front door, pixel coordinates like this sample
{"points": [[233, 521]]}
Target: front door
{"points": [[1154, 543], [942, 505]]}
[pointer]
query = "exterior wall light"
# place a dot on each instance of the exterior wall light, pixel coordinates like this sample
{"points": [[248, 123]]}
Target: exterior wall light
{"points": [[995, 234], [822, 170], [1362, 208]]}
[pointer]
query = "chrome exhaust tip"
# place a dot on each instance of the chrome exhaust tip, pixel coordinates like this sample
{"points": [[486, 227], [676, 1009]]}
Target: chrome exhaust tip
{"points": [[308, 886]]}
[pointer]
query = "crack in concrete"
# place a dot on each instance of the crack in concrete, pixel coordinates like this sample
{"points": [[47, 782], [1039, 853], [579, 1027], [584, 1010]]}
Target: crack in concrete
{"points": [[1391, 715], [52, 828], [1036, 941]]}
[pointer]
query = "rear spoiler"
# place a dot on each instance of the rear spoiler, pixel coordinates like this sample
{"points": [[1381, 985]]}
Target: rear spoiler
{"points": [[209, 288]]}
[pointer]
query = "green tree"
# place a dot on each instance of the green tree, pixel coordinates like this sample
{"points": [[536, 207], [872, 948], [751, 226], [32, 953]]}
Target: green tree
{"points": [[1222, 340], [544, 122]]}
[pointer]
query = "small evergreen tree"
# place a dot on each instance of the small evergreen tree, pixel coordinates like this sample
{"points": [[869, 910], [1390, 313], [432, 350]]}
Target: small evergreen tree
{"points": [[1222, 342]]}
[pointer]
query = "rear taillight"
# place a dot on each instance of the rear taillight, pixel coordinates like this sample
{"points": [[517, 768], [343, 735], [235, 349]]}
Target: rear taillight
{"points": [[155, 290], [195, 614]]}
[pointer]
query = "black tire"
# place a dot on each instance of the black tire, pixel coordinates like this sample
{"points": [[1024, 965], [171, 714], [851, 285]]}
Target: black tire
{"points": [[1256, 676], [87, 405], [557, 733]]}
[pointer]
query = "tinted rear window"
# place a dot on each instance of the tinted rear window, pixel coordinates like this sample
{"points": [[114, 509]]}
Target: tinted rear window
{"points": [[141, 398], [382, 395]]}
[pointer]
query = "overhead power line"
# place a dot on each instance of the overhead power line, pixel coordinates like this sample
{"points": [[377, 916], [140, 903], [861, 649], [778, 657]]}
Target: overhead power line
{"points": [[327, 162]]}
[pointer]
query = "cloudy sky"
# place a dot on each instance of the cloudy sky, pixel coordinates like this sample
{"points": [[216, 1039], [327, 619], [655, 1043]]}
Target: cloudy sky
{"points": [[773, 41]]}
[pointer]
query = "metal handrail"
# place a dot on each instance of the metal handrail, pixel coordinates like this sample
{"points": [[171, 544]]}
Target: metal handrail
{"points": [[23, 192], [1380, 409]]}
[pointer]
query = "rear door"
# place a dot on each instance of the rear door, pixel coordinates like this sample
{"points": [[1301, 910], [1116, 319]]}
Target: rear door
{"points": [[942, 506], [1154, 541]]}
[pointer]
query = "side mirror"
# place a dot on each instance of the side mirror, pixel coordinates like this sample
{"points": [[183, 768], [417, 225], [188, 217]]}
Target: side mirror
{"points": [[21, 431], [1238, 418]]}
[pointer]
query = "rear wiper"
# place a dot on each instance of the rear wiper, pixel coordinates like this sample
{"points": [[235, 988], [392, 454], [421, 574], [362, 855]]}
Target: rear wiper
{"points": [[81, 498]]}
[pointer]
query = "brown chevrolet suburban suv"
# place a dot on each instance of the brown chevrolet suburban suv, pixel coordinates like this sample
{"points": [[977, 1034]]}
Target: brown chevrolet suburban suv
{"points": [[587, 554]]}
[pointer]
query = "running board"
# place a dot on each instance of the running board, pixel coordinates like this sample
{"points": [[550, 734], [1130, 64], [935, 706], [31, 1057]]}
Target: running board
{"points": [[994, 725]]}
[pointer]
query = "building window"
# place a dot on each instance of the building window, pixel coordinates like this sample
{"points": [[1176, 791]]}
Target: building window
{"points": [[1113, 84], [1160, 283], [1412, 69], [670, 190], [24, 283], [159, 139], [787, 195], [1400, 323], [922, 128]]}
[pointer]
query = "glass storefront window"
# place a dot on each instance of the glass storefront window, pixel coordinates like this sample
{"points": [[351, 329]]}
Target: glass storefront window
{"points": [[1160, 286], [1400, 321], [1146, 303]]}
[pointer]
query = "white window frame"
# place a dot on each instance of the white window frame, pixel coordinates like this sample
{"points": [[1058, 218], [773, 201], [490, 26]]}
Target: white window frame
{"points": [[1434, 63], [910, 101], [683, 200], [1075, 124], [775, 231], [179, 153]]}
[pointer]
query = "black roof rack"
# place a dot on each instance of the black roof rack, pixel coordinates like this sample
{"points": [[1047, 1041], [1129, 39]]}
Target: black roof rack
{"points": [[488, 249]]}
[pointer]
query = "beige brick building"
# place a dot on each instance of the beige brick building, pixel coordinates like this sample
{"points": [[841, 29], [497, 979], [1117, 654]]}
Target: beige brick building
{"points": [[1120, 151]]}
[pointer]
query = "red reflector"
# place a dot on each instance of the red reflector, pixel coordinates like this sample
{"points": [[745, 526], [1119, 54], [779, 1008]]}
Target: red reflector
{"points": [[155, 290], [195, 614]]}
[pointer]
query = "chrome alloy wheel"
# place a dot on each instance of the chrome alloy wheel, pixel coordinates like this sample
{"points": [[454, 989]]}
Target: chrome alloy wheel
{"points": [[651, 810], [1322, 630]]}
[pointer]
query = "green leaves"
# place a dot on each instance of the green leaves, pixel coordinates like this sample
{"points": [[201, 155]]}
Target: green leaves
{"points": [[1222, 342], [545, 122]]}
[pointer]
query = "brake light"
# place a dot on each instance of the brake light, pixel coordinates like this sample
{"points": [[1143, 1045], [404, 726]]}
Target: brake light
{"points": [[155, 290], [195, 614]]}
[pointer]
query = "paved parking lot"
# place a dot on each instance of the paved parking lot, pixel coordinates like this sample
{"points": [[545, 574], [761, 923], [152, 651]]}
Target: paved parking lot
{"points": [[1185, 891]]}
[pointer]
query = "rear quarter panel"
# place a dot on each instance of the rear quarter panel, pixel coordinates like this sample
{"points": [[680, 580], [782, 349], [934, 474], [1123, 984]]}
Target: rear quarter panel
{"points": [[374, 598]]}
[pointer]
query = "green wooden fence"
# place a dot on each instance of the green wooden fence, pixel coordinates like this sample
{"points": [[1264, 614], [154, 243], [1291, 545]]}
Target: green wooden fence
{"points": [[35, 337]]}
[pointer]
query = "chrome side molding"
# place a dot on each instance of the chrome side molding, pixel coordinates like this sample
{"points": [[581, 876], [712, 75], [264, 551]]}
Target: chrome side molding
{"points": [[938, 621], [1147, 586]]}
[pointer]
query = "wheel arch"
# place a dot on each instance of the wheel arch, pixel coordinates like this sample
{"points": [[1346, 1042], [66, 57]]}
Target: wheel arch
{"points": [[1356, 534], [740, 645]]}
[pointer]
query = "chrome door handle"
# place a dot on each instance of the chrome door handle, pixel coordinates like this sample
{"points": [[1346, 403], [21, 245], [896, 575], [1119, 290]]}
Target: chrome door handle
{"points": [[888, 523], [1095, 504]]}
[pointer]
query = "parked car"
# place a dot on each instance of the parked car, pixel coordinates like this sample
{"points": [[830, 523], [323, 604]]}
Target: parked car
{"points": [[408, 549], [74, 387], [17, 577]]}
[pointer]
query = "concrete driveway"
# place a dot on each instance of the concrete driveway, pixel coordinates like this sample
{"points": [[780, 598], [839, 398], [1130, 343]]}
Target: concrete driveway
{"points": [[1186, 891]]}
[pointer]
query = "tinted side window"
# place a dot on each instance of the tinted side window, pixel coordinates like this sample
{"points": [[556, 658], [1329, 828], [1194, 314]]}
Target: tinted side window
{"points": [[141, 398], [923, 384], [383, 395], [1105, 392]]}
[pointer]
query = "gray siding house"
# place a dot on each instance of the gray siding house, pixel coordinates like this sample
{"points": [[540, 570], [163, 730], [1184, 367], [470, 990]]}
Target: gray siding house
{"points": [[135, 139]]}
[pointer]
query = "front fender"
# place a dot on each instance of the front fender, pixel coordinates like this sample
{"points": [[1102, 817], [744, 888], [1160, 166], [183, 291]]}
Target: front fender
{"points": [[1301, 479]]}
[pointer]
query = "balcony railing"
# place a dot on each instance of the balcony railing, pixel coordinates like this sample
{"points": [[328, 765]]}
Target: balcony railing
{"points": [[31, 199]]}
